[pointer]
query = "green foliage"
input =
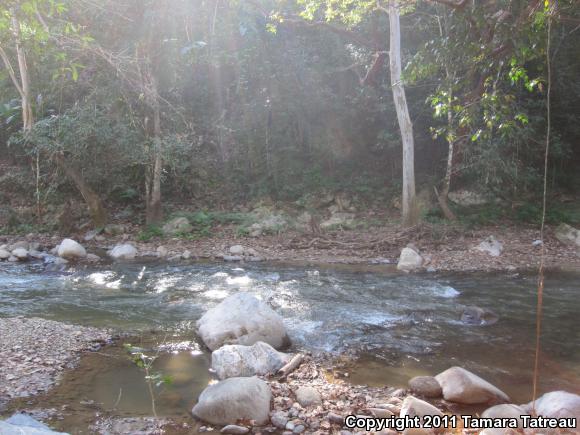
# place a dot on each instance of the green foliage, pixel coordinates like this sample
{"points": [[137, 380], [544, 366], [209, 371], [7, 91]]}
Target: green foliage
{"points": [[150, 232]]}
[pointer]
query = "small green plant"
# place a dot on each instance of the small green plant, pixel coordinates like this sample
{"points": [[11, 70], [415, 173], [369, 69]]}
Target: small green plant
{"points": [[145, 362], [150, 232]]}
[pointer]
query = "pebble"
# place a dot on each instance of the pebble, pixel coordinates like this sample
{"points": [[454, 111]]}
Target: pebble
{"points": [[235, 430]]}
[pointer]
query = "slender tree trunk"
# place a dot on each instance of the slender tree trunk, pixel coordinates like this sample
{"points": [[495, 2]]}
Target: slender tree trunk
{"points": [[443, 197], [27, 115], [154, 209], [96, 209], [409, 205]]}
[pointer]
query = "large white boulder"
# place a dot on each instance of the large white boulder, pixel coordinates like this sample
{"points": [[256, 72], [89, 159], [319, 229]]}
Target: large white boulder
{"points": [[557, 404], [409, 260], [462, 386], [234, 399], [125, 251], [22, 424], [242, 319], [71, 250], [20, 253], [239, 361]]}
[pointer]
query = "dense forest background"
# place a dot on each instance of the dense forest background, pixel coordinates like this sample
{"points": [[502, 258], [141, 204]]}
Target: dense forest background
{"points": [[227, 102]]}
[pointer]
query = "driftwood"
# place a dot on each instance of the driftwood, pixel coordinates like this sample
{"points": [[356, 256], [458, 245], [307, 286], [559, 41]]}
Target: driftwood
{"points": [[291, 365]]}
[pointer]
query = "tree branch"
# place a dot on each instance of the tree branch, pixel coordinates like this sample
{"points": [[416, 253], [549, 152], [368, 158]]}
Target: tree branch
{"points": [[11, 72]]}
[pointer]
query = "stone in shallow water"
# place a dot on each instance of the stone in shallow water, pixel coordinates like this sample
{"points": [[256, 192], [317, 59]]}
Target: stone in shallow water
{"points": [[22, 424], [242, 319], [462, 386], [236, 360], [557, 404], [426, 386]]}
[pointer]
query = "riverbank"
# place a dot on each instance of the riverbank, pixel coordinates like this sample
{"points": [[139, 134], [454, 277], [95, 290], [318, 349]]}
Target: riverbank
{"points": [[443, 247], [34, 353]]}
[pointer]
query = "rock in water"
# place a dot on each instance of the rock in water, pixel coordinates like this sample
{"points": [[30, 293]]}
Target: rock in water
{"points": [[426, 386], [308, 396], [4, 254], [71, 250], [22, 424], [491, 245], [409, 260], [242, 319], [505, 411], [234, 399], [568, 235], [240, 361], [123, 252], [462, 386], [20, 253], [478, 316], [557, 404]]}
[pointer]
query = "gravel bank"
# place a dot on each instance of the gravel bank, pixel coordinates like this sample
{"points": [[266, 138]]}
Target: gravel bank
{"points": [[34, 352]]}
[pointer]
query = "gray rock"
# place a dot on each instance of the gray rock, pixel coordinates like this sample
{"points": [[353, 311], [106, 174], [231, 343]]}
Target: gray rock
{"points": [[22, 424], [12, 259], [299, 428], [162, 252], [235, 430], [125, 251], [478, 316], [234, 399], [178, 225], [279, 419], [20, 253], [505, 411], [232, 258], [426, 386], [308, 396], [93, 258], [90, 235], [238, 361], [236, 250], [4, 254], [490, 245], [557, 404], [335, 418], [242, 319], [186, 254], [462, 386], [409, 260], [416, 407], [71, 250], [20, 244]]}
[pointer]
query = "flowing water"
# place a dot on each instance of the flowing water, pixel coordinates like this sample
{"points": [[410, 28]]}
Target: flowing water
{"points": [[400, 325]]}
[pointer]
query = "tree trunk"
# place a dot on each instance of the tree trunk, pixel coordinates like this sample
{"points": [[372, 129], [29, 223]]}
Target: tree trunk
{"points": [[96, 209], [27, 115], [154, 210], [409, 205], [442, 197]]}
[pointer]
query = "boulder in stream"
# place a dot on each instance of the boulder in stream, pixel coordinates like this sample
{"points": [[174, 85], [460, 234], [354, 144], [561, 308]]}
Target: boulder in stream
{"points": [[71, 250], [557, 404], [22, 424], [416, 407], [20, 253], [478, 316], [125, 251], [234, 399], [426, 386], [242, 319], [4, 254], [239, 361], [462, 386], [409, 260]]}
